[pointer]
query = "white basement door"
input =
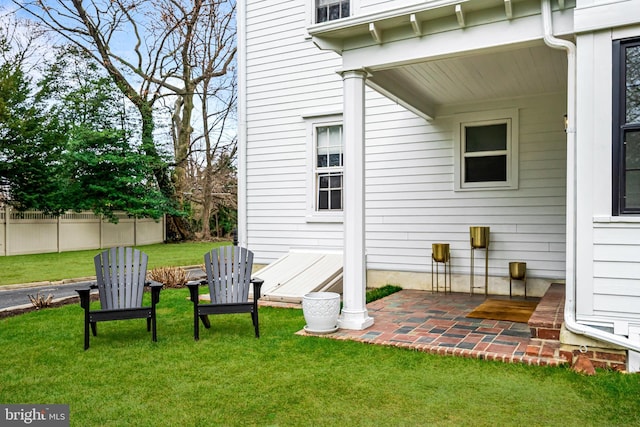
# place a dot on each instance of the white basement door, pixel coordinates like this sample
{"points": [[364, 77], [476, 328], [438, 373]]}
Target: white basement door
{"points": [[298, 273]]}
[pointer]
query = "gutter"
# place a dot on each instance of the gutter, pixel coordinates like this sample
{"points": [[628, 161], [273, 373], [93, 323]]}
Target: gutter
{"points": [[570, 300]]}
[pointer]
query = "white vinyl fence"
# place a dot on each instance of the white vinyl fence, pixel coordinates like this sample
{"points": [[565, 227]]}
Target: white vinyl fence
{"points": [[34, 232]]}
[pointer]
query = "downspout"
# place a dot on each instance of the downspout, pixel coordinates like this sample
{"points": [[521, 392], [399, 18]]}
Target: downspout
{"points": [[570, 300]]}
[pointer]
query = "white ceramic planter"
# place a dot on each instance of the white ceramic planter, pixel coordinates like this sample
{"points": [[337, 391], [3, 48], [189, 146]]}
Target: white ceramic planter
{"points": [[321, 311]]}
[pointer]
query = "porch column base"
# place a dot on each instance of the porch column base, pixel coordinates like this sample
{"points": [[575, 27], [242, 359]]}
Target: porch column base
{"points": [[356, 320]]}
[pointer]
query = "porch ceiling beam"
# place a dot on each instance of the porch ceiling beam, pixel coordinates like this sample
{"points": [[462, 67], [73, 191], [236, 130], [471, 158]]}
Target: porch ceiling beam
{"points": [[508, 10], [404, 97], [376, 34], [460, 15], [415, 24]]}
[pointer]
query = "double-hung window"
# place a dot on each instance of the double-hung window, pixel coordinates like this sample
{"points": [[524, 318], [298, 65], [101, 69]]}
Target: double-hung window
{"points": [[626, 131], [328, 167], [329, 10], [486, 151]]}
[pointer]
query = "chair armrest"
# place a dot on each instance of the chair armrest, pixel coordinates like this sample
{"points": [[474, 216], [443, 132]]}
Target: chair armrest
{"points": [[153, 283], [156, 287], [85, 295], [193, 290], [257, 286], [196, 282]]}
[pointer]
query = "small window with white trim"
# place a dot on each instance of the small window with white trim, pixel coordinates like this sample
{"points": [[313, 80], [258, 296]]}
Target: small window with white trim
{"points": [[486, 151], [325, 174], [328, 167]]}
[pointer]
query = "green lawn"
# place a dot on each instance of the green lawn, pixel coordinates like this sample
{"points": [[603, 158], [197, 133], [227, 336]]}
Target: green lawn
{"points": [[282, 379], [69, 265]]}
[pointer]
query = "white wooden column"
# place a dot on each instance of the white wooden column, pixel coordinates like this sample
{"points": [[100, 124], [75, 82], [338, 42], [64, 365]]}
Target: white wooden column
{"points": [[354, 282]]}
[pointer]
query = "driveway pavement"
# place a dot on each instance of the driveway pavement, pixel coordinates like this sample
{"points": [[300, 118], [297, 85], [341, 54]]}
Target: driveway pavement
{"points": [[17, 296]]}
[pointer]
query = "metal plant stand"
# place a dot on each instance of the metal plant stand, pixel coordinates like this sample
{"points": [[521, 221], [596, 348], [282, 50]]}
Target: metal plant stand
{"points": [[518, 271], [479, 240], [440, 254]]}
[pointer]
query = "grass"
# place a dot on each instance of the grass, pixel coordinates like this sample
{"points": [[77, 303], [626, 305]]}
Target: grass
{"points": [[378, 293], [230, 378], [68, 265]]}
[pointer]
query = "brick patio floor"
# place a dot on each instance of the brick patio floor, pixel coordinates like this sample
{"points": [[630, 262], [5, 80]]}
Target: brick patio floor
{"points": [[436, 323]]}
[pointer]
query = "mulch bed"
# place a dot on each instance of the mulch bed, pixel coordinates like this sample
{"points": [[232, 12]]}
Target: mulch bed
{"points": [[23, 310]]}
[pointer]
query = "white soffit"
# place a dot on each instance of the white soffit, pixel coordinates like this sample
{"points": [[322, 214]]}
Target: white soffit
{"points": [[298, 273]]}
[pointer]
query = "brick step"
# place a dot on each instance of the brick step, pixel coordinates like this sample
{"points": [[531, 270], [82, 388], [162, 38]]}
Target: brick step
{"points": [[545, 348], [546, 320]]}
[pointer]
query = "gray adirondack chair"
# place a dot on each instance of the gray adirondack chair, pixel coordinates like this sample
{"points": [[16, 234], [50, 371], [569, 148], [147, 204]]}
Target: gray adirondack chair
{"points": [[228, 271], [120, 280]]}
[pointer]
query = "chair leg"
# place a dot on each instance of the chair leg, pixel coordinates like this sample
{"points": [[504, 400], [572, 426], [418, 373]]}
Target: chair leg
{"points": [[154, 330], [196, 323], [149, 324], [94, 329], [205, 321], [86, 332], [256, 326]]}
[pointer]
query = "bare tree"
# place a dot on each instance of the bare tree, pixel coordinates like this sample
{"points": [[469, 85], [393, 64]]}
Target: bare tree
{"points": [[152, 49], [212, 172], [22, 43]]}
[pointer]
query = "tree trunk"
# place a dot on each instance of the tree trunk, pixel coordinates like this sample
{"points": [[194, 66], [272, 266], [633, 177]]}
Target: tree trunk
{"points": [[178, 228]]}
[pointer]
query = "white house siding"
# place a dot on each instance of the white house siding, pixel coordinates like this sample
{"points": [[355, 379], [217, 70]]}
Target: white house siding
{"points": [[287, 78], [410, 201], [607, 248]]}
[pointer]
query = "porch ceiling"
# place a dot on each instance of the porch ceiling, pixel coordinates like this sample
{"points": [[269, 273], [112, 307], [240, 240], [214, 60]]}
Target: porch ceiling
{"points": [[426, 86]]}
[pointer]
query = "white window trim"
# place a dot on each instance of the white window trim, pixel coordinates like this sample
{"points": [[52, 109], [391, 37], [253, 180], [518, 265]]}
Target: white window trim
{"points": [[312, 122], [508, 116]]}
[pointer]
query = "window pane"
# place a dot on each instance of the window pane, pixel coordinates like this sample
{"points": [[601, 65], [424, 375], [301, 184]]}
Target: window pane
{"points": [[322, 136], [486, 138], [321, 14], [345, 9], [335, 135], [632, 196], [334, 12], [334, 160], [336, 199], [336, 181], [632, 64], [632, 150], [632, 170], [323, 200], [324, 181], [485, 169]]}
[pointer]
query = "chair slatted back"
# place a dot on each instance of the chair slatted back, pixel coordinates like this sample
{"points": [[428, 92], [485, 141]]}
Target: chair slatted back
{"points": [[121, 274], [229, 274]]}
